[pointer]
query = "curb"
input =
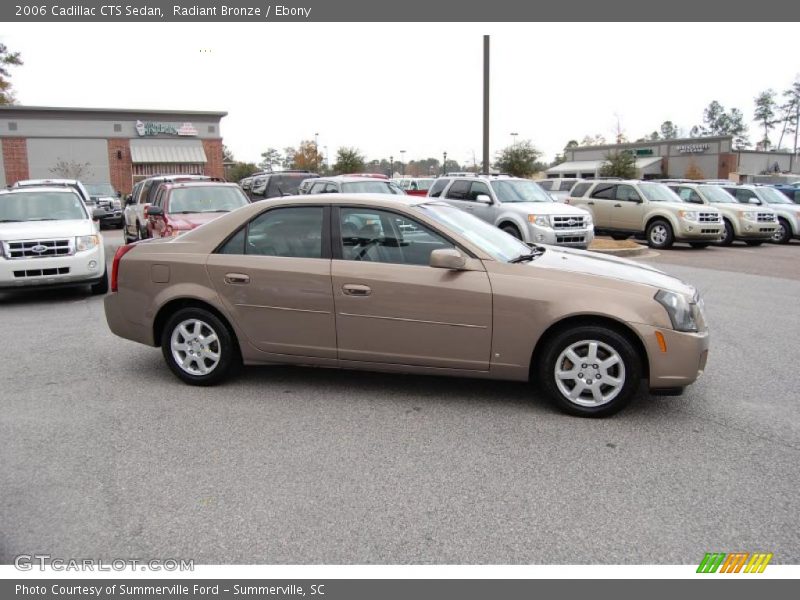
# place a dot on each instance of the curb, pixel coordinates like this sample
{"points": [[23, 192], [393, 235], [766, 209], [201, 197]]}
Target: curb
{"points": [[625, 252]]}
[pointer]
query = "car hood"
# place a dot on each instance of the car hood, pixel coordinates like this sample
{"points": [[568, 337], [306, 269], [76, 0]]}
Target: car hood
{"points": [[611, 267], [34, 230], [544, 208], [792, 208], [192, 220]]}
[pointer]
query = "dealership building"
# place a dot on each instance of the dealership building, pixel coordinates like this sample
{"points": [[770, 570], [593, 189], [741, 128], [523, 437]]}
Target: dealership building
{"points": [[695, 158], [104, 145]]}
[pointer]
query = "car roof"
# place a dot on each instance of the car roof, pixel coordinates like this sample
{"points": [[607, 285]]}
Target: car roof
{"points": [[370, 199], [198, 183], [26, 189]]}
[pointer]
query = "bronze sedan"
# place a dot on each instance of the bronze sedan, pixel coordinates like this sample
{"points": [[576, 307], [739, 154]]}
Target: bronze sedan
{"points": [[405, 285]]}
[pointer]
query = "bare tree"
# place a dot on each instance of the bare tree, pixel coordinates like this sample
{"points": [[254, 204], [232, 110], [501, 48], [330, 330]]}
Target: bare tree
{"points": [[70, 169]]}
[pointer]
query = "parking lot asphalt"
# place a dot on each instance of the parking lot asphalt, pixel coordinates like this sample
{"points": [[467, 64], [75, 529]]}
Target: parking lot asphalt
{"points": [[105, 454]]}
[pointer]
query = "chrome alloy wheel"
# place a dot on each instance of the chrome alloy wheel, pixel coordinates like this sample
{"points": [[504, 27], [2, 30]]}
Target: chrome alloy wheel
{"points": [[195, 347], [658, 234], [780, 232], [590, 373]]}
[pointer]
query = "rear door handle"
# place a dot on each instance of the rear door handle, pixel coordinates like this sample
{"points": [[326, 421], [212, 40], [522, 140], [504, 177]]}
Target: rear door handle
{"points": [[354, 289], [237, 278], [592, 203], [618, 206]]}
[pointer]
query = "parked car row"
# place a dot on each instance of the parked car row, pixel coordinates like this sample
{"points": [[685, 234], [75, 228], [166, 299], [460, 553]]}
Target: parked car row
{"points": [[101, 199]]}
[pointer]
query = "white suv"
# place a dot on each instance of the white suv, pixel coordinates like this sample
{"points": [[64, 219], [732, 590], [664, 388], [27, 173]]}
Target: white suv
{"points": [[49, 239], [519, 207]]}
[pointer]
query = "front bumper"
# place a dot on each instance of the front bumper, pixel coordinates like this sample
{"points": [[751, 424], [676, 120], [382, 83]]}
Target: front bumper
{"points": [[684, 360], [55, 271], [751, 230], [112, 217], [692, 231], [573, 238]]}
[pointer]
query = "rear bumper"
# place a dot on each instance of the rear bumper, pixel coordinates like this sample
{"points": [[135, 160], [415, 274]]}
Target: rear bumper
{"points": [[122, 326], [682, 363]]}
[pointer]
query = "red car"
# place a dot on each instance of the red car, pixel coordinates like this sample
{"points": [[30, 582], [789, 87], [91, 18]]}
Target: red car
{"points": [[416, 186], [182, 206]]}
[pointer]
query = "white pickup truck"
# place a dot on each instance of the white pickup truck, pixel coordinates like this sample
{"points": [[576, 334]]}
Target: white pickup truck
{"points": [[48, 238]]}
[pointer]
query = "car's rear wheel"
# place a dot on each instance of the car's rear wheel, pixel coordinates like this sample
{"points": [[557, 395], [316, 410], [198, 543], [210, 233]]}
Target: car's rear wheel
{"points": [[198, 347], [512, 230], [590, 371], [784, 232], [659, 235]]}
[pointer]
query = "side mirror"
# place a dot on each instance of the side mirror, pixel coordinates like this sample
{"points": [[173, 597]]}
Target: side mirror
{"points": [[753, 201], [128, 200], [155, 211], [97, 213], [119, 194], [484, 198], [448, 258]]}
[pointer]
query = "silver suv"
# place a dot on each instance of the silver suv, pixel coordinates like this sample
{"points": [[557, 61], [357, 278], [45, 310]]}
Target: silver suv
{"points": [[647, 209], [519, 207], [751, 224], [788, 212]]}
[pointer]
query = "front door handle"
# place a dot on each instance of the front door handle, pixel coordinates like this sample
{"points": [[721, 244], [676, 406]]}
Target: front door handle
{"points": [[237, 278], [592, 203], [354, 289], [618, 206]]}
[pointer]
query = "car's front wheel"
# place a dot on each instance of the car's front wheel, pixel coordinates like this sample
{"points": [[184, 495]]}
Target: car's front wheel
{"points": [[783, 233], [512, 231], [659, 235], [727, 234], [198, 347], [101, 287], [590, 371]]}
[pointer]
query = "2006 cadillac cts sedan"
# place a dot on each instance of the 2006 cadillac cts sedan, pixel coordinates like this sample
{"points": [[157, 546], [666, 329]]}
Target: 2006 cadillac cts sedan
{"points": [[405, 285]]}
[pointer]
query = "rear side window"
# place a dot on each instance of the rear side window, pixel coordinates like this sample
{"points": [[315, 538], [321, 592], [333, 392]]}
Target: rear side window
{"points": [[547, 184], [459, 190], [565, 185], [438, 187], [579, 189], [605, 191], [288, 232]]}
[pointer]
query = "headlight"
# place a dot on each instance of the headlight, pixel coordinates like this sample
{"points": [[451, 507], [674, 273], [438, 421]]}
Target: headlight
{"points": [[540, 220], [679, 309], [86, 242], [117, 204], [749, 215], [689, 215]]}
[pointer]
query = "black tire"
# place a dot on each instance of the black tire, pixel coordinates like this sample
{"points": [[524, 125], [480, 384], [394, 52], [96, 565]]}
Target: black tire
{"points": [[699, 244], [101, 287], [626, 352], [784, 233], [619, 236], [660, 235], [727, 235], [512, 230], [753, 242], [225, 346]]}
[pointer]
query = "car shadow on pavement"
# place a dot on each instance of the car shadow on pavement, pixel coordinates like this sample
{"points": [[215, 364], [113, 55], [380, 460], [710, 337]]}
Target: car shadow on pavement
{"points": [[45, 296]]}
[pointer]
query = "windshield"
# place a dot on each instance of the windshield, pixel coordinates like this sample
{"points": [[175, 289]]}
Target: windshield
{"points": [[101, 189], [658, 192], [772, 196], [495, 242], [717, 195], [206, 199], [41, 206], [371, 187], [518, 190], [423, 185]]}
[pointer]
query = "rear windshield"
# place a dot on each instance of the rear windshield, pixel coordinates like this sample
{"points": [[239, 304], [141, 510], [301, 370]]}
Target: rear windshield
{"points": [[100, 189], [283, 185], [206, 199], [41, 206]]}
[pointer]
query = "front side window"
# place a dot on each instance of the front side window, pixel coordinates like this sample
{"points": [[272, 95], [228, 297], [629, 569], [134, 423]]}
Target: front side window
{"points": [[438, 187], [658, 192], [459, 190], [41, 206], [382, 236], [478, 188], [294, 232], [627, 193]]}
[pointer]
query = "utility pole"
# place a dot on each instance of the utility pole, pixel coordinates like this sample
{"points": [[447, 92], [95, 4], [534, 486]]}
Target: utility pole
{"points": [[486, 104]]}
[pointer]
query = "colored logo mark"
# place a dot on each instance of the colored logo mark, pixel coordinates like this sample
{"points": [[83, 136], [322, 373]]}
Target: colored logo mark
{"points": [[736, 562]]}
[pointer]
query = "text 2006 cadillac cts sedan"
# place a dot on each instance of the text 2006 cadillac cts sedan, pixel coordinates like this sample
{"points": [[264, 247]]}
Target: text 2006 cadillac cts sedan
{"points": [[405, 285]]}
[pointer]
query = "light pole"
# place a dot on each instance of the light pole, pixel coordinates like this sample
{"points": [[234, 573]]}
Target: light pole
{"points": [[514, 135], [316, 152], [327, 162], [444, 163], [391, 166], [402, 163]]}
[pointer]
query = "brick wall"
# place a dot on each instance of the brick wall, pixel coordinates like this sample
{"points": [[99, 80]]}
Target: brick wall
{"points": [[727, 164], [119, 165], [15, 159], [214, 166]]}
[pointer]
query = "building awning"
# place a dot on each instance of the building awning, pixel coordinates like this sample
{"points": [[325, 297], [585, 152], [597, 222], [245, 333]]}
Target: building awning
{"points": [[167, 151], [592, 166]]}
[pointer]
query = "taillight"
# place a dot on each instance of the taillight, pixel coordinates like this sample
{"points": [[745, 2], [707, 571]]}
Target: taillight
{"points": [[146, 206], [121, 251]]}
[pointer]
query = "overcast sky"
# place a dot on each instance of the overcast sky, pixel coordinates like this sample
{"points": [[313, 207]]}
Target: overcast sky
{"points": [[407, 86]]}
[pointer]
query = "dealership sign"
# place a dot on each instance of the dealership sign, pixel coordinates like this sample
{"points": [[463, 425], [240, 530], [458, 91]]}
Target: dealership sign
{"points": [[154, 128], [693, 148]]}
